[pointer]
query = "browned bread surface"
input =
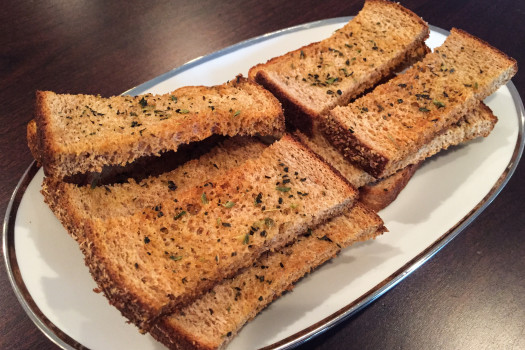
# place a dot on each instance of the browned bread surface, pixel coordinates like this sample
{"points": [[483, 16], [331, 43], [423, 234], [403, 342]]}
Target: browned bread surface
{"points": [[128, 198], [384, 130], [83, 133], [477, 123], [315, 78], [213, 320], [157, 260], [72, 204]]}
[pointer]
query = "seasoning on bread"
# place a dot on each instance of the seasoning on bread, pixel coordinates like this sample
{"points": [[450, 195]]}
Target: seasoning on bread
{"points": [[213, 320], [380, 40], [84, 133], [162, 258], [385, 130], [72, 204]]}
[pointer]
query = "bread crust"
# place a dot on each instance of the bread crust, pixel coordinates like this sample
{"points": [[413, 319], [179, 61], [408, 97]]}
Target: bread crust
{"points": [[379, 193], [32, 140], [44, 144]]}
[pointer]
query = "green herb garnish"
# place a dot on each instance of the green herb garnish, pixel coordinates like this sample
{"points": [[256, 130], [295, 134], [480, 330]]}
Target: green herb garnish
{"points": [[258, 199], [283, 189], [179, 215], [229, 204], [438, 104], [269, 222]]}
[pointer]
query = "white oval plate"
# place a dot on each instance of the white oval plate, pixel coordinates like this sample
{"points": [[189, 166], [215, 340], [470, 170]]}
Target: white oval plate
{"points": [[48, 274]]}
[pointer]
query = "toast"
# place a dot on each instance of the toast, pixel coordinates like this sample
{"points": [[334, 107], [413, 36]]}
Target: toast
{"points": [[165, 256], [385, 130], [382, 39], [213, 320], [72, 204], [379, 193], [84, 133]]}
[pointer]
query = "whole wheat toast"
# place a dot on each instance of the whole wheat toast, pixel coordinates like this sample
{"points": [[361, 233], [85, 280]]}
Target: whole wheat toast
{"points": [[157, 260], [385, 130], [382, 39], [73, 203], [84, 133], [213, 320]]}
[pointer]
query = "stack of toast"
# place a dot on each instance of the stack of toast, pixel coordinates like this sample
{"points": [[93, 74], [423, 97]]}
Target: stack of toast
{"points": [[193, 253]]}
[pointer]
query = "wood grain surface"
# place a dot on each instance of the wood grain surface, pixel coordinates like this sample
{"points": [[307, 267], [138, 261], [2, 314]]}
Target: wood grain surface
{"points": [[471, 295]]}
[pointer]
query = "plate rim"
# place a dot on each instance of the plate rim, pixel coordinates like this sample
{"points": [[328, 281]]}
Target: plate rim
{"points": [[62, 339]]}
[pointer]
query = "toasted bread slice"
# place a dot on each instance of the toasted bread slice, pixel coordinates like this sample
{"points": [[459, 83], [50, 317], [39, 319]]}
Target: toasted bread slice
{"points": [[379, 193], [213, 320], [165, 256], [380, 40], [83, 133], [72, 204], [385, 130], [68, 200]]}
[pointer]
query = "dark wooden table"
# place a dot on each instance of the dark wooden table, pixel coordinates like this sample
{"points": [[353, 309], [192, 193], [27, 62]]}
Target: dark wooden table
{"points": [[471, 295]]}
